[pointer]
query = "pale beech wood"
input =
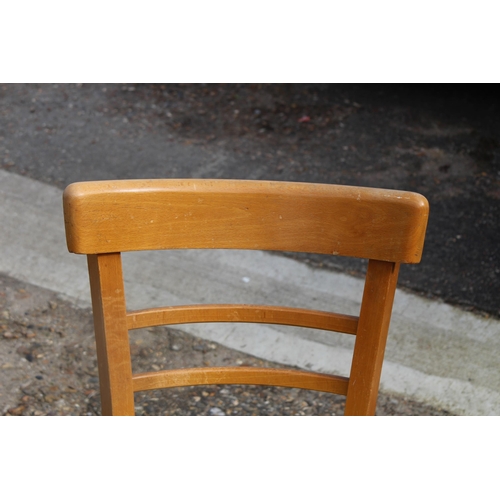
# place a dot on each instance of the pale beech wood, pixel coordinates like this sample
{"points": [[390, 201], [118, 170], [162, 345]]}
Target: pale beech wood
{"points": [[369, 347], [106, 217], [111, 333], [176, 315], [240, 375], [119, 216]]}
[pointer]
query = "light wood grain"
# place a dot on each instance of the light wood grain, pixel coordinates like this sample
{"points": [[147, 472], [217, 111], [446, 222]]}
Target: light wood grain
{"points": [[369, 347], [107, 217], [176, 315], [118, 216], [111, 333], [240, 375]]}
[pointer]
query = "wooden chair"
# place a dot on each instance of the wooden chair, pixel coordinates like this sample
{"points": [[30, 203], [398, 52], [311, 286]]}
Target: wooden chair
{"points": [[104, 218]]}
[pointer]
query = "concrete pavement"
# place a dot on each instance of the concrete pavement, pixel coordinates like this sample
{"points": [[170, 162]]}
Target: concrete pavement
{"points": [[436, 353]]}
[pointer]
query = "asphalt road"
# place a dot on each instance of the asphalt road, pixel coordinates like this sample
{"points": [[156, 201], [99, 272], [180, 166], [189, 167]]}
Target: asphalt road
{"points": [[443, 142]]}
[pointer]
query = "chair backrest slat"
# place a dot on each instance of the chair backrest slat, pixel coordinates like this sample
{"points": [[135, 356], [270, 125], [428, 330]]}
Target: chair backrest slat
{"points": [[238, 313], [241, 375], [120, 216]]}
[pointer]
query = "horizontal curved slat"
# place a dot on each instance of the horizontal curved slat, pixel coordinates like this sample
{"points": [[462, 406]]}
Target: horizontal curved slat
{"points": [[155, 214], [242, 313], [240, 375]]}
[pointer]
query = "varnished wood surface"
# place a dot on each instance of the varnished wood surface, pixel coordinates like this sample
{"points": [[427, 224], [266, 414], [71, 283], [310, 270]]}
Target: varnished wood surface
{"points": [[369, 347], [111, 333], [107, 217], [175, 315], [240, 375], [118, 216]]}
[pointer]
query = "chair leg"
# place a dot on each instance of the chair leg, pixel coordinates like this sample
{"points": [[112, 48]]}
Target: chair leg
{"points": [[110, 324], [369, 348]]}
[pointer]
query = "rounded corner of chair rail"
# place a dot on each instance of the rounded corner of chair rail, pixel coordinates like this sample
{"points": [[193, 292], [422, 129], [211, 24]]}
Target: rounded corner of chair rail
{"points": [[75, 247], [413, 257], [73, 190], [420, 202]]}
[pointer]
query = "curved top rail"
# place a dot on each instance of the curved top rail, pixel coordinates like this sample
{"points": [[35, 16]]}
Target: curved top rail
{"points": [[129, 215]]}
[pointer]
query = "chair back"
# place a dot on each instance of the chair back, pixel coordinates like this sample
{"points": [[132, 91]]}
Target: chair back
{"points": [[105, 218]]}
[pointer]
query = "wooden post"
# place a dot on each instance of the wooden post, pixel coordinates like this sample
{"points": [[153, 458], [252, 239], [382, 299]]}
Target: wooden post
{"points": [[110, 324], [369, 348]]}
